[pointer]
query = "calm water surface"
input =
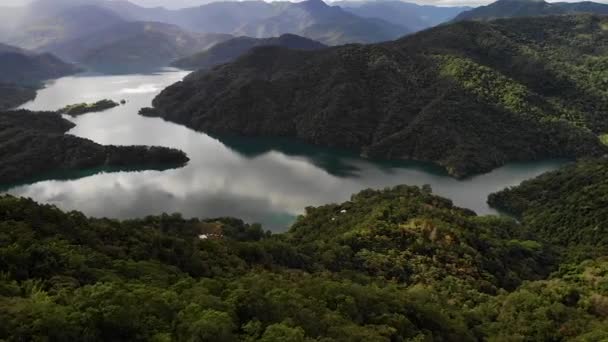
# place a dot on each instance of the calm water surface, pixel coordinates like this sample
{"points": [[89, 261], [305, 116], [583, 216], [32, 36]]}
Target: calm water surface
{"points": [[258, 180]]}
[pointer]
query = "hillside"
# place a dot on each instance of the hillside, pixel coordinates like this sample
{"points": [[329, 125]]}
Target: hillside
{"points": [[22, 72], [13, 95], [27, 68], [330, 25], [393, 265], [231, 49], [469, 96], [414, 16], [567, 206], [530, 8], [34, 145]]}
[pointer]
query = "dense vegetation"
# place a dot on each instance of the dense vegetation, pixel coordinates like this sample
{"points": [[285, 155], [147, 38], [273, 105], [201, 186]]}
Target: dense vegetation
{"points": [[84, 108], [530, 8], [231, 49], [34, 144], [393, 265], [13, 95], [469, 96], [568, 207]]}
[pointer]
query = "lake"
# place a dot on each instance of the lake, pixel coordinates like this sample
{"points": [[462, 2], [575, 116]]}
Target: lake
{"points": [[258, 180]]}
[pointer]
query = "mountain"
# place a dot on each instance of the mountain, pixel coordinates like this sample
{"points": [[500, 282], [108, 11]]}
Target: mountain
{"points": [[72, 19], [567, 206], [13, 95], [469, 96], [231, 49], [38, 29], [528, 8], [21, 73], [414, 16], [391, 265], [330, 25], [219, 17], [35, 145], [5, 48], [135, 45], [19, 66]]}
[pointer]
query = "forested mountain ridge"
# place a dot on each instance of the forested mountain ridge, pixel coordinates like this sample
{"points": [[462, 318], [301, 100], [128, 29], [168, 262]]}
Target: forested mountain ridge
{"points": [[13, 95], [391, 265], [35, 144], [27, 68], [469, 96], [568, 206], [229, 50], [22, 71], [531, 8]]}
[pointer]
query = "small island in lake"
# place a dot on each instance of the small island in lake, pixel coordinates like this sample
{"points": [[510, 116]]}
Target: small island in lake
{"points": [[34, 144], [84, 108]]}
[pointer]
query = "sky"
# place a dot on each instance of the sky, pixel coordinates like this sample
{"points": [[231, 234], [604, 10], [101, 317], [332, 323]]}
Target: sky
{"points": [[189, 3]]}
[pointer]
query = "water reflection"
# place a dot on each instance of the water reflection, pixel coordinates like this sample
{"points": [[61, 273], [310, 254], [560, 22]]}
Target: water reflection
{"points": [[262, 180]]}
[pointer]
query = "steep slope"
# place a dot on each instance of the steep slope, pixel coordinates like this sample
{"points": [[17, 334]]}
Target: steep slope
{"points": [[136, 45], [568, 206], [231, 49], [530, 8], [414, 16], [35, 145], [469, 96], [330, 25]]}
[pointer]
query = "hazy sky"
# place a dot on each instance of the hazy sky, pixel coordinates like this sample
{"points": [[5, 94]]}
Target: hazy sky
{"points": [[188, 3]]}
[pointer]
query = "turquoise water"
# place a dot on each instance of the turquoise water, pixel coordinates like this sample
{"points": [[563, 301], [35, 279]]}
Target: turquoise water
{"points": [[259, 180]]}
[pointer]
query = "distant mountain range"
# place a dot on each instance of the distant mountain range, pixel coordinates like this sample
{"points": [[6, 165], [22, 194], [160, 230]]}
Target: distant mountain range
{"points": [[469, 96], [529, 8], [415, 17], [231, 49], [330, 25], [135, 45], [103, 33], [43, 23], [38, 29]]}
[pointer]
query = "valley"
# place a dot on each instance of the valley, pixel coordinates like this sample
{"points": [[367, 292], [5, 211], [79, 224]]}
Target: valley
{"points": [[269, 181]]}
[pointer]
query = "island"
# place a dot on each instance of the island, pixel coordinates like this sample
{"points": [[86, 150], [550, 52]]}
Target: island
{"points": [[84, 108], [35, 144]]}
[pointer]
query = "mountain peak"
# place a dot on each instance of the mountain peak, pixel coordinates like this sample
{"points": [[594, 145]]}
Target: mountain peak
{"points": [[313, 4]]}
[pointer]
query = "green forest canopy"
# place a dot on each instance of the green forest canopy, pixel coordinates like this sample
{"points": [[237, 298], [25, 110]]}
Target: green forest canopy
{"points": [[394, 265]]}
